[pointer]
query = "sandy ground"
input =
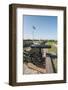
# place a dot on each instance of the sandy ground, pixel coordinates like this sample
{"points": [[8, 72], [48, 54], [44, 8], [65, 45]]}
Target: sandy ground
{"points": [[27, 70], [49, 68]]}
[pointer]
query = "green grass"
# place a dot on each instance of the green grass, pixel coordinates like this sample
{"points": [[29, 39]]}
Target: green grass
{"points": [[52, 49]]}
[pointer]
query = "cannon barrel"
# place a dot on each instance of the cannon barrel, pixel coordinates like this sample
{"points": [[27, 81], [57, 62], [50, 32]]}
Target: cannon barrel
{"points": [[40, 46]]}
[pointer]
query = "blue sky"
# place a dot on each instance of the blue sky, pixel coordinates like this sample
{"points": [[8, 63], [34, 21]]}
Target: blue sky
{"points": [[46, 27]]}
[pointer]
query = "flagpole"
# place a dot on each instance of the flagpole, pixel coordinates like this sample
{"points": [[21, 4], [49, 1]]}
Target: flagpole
{"points": [[34, 28], [33, 36], [33, 32]]}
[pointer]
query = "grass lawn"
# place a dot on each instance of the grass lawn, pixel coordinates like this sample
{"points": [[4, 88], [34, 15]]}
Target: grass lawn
{"points": [[53, 49]]}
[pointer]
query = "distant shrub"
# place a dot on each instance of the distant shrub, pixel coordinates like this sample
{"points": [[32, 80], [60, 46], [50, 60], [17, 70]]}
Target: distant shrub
{"points": [[27, 43]]}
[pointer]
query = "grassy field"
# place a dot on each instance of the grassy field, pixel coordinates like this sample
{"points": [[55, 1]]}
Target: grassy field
{"points": [[53, 48]]}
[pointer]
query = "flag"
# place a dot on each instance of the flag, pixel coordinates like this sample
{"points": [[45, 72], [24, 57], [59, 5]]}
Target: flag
{"points": [[34, 27]]}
